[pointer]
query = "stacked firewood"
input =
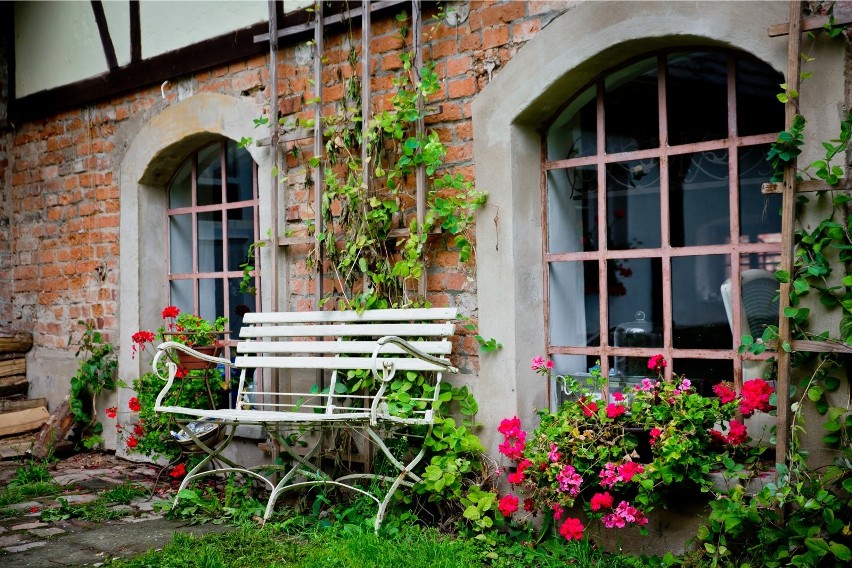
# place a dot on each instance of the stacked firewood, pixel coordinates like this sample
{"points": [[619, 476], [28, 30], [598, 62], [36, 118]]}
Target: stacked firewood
{"points": [[20, 418]]}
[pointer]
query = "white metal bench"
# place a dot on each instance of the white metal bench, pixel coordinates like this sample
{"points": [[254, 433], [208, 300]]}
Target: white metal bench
{"points": [[336, 346]]}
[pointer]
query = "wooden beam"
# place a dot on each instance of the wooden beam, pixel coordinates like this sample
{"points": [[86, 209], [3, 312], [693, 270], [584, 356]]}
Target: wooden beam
{"points": [[15, 341], [54, 430], [11, 367], [103, 30], [135, 32], [788, 220], [807, 186], [12, 423], [842, 16], [304, 27], [16, 405], [16, 384]]}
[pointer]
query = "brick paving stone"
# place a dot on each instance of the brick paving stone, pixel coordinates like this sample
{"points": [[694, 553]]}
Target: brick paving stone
{"points": [[79, 498], [26, 505], [27, 526], [12, 540], [50, 531], [27, 546]]}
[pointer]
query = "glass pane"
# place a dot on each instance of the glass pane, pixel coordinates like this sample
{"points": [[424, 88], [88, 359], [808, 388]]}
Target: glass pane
{"points": [[180, 190], [631, 108], [635, 291], [696, 97], [633, 204], [573, 134], [181, 294], [574, 304], [239, 304], [572, 209], [627, 373], [578, 366], [698, 199], [210, 241], [699, 319], [760, 215], [758, 300], [209, 183], [240, 167], [240, 235], [704, 373], [180, 244], [758, 111], [211, 298]]}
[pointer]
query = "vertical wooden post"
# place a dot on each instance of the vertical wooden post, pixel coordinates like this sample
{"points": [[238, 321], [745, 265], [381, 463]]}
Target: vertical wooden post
{"points": [[420, 129], [319, 225], [788, 217]]}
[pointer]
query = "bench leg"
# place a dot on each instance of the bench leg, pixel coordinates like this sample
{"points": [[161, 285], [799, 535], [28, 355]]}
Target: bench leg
{"points": [[302, 464]]}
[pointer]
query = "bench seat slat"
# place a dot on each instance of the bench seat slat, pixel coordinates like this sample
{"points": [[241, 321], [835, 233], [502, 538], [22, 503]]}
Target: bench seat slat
{"points": [[389, 315], [338, 347], [350, 330], [333, 363]]}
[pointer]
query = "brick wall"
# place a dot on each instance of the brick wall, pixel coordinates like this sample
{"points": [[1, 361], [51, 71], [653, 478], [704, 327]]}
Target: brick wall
{"points": [[5, 142], [61, 208]]}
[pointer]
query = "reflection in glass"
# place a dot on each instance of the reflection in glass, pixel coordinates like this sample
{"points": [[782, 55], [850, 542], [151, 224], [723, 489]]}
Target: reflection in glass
{"points": [[181, 294], [239, 304], [239, 168], [697, 81], [180, 244], [180, 190], [573, 134], [704, 373], [760, 215], [574, 304], [699, 320], [240, 235], [209, 184], [633, 204], [211, 298], [758, 111], [210, 241], [698, 199], [635, 294], [631, 108], [572, 209]]}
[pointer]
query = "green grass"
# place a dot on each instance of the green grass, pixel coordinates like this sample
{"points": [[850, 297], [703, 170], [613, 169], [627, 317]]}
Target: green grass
{"points": [[19, 493]]}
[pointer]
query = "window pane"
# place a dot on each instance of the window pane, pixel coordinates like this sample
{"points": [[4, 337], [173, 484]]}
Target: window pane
{"points": [[573, 134], [760, 215], [758, 110], [631, 110], [209, 184], [633, 204], [758, 300], [239, 304], [181, 294], [572, 209], [240, 235], [698, 199], [699, 319], [180, 190], [629, 372], [240, 167], [696, 97], [574, 304], [180, 244], [635, 292], [704, 373], [211, 298], [210, 241]]}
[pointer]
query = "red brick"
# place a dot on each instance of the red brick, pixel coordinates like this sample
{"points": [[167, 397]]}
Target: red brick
{"points": [[495, 14], [462, 87], [386, 43], [464, 131], [525, 31], [470, 42], [493, 37], [459, 65]]}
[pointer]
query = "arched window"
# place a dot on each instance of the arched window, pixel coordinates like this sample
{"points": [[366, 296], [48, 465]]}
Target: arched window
{"points": [[653, 216], [212, 220]]}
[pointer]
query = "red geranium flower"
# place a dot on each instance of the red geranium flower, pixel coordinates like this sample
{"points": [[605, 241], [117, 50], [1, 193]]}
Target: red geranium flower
{"points": [[601, 501], [178, 471], [134, 405], [132, 441], [508, 505], [657, 363], [615, 410], [138, 430], [170, 312], [725, 393], [111, 412], [571, 529]]}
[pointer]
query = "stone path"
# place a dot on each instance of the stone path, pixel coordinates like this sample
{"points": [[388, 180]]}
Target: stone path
{"points": [[26, 541]]}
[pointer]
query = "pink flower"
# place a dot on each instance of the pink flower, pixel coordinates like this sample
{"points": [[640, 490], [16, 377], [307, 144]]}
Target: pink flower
{"points": [[627, 470], [513, 448], [618, 396], [600, 501], [111, 412], [508, 504], [654, 434], [553, 455], [558, 512], [569, 480], [615, 410], [657, 363], [725, 393], [571, 529], [170, 312], [684, 385], [510, 427], [134, 405], [538, 363], [647, 385]]}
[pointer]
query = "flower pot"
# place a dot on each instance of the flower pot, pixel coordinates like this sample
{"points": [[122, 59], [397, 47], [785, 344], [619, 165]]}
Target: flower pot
{"points": [[191, 363]]}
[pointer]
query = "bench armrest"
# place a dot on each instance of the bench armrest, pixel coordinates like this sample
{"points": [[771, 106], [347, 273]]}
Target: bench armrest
{"points": [[164, 348]]}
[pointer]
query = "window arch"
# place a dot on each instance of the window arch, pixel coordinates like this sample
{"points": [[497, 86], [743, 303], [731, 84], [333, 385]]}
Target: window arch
{"points": [[653, 215], [212, 218]]}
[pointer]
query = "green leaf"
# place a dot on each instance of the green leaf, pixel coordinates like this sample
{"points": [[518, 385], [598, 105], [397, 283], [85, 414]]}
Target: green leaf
{"points": [[841, 551], [782, 276]]}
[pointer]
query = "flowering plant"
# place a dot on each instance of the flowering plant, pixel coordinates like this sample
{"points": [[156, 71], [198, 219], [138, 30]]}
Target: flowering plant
{"points": [[181, 327], [617, 460]]}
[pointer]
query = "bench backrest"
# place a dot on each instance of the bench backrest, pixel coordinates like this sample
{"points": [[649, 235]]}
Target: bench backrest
{"points": [[337, 341]]}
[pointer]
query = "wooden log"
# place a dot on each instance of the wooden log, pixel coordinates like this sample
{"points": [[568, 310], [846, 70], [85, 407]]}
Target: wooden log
{"points": [[17, 446], [16, 405], [15, 341], [54, 430], [13, 423], [13, 367], [16, 384]]}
